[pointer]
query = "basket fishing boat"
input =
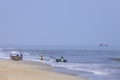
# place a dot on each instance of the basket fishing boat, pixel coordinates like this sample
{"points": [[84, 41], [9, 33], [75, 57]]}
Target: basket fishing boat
{"points": [[14, 55]]}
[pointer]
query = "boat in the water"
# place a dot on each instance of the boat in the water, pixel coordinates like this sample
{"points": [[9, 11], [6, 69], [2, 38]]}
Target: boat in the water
{"points": [[103, 45], [60, 59]]}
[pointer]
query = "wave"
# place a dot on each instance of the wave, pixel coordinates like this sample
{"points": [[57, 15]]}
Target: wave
{"points": [[98, 69]]}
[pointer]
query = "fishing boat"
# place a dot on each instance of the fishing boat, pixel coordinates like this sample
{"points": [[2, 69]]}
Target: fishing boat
{"points": [[14, 55], [60, 59]]}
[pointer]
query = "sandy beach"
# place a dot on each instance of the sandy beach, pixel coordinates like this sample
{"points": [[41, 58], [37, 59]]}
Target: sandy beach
{"points": [[23, 70]]}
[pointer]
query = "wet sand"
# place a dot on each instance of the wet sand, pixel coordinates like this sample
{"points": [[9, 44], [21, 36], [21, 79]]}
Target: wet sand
{"points": [[24, 70]]}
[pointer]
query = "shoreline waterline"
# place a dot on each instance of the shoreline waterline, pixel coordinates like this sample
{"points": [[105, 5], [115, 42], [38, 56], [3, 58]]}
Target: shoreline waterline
{"points": [[91, 64], [31, 70]]}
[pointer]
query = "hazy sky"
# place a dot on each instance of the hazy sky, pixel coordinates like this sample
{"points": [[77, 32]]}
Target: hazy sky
{"points": [[59, 22]]}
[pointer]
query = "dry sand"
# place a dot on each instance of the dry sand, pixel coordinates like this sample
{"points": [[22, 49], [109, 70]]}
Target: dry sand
{"points": [[22, 70]]}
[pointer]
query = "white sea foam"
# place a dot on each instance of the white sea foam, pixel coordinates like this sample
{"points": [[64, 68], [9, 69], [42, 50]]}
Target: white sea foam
{"points": [[81, 67], [1, 49], [26, 53]]}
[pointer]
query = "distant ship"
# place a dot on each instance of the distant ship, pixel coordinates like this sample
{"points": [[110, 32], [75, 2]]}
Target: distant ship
{"points": [[103, 45]]}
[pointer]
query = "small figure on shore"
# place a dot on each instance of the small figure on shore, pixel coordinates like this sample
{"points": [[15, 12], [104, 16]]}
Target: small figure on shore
{"points": [[41, 57], [21, 55]]}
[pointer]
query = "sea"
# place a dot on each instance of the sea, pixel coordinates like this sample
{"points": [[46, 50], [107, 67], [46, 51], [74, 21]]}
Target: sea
{"points": [[91, 62]]}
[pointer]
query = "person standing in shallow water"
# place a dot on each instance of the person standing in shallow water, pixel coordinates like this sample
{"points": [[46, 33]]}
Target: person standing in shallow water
{"points": [[21, 55], [41, 57]]}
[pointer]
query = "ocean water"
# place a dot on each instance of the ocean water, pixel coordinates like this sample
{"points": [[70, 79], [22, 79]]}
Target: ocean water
{"points": [[94, 63]]}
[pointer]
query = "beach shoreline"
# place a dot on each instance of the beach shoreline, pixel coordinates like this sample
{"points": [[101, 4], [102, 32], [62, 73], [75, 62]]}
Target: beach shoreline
{"points": [[29, 70]]}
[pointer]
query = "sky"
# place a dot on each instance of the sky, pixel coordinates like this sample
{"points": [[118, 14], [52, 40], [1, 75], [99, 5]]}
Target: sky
{"points": [[59, 22]]}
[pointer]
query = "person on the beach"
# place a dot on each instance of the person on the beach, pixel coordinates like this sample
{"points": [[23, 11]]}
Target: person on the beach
{"points": [[41, 57], [21, 56], [10, 55]]}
